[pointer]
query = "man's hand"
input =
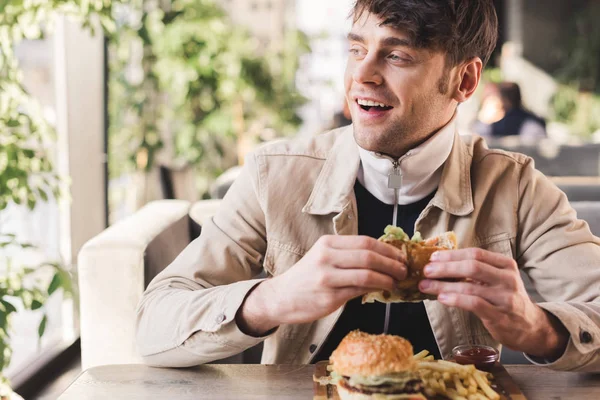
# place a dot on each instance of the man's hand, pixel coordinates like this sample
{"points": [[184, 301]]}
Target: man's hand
{"points": [[495, 292], [335, 270]]}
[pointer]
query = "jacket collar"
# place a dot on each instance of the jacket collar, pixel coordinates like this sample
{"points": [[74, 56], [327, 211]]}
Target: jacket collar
{"points": [[455, 194], [334, 187], [335, 184]]}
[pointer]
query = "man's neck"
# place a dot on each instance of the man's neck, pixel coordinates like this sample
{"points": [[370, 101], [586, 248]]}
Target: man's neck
{"points": [[405, 148], [420, 166]]}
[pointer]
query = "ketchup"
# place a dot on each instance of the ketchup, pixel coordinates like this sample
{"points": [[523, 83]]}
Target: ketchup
{"points": [[483, 357]]}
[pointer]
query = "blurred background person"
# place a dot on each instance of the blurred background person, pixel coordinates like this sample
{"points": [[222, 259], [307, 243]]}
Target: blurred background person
{"points": [[502, 114], [491, 111]]}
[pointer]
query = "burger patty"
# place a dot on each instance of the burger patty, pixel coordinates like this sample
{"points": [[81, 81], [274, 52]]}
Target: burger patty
{"points": [[413, 386]]}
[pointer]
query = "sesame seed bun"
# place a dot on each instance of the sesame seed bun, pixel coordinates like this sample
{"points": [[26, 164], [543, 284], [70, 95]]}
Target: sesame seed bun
{"points": [[364, 354]]}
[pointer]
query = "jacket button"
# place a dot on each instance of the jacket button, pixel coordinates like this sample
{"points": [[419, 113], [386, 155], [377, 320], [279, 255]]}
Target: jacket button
{"points": [[585, 337], [221, 318], [312, 348]]}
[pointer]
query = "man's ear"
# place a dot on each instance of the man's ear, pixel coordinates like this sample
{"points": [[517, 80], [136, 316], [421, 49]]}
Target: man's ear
{"points": [[469, 75]]}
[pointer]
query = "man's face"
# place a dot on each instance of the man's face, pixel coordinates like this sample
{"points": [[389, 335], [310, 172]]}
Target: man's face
{"points": [[384, 68]]}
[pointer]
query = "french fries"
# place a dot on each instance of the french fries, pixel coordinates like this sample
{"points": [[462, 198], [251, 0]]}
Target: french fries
{"points": [[454, 381]]}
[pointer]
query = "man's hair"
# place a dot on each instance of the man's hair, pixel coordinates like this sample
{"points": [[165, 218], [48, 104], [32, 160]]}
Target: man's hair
{"points": [[462, 28], [510, 94]]}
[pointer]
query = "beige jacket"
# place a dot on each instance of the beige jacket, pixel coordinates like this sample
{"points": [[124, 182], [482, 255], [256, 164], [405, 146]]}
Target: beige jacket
{"points": [[291, 193]]}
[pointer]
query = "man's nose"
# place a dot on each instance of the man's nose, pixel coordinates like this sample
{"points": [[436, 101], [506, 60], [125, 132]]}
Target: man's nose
{"points": [[368, 71]]}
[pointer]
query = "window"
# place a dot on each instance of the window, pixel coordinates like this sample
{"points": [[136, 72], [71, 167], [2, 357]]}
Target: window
{"points": [[40, 226], [54, 70]]}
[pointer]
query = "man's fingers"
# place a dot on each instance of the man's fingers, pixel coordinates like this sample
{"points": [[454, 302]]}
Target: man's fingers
{"points": [[342, 242], [480, 307], [363, 279], [473, 269], [361, 259], [493, 296], [351, 292], [475, 254]]}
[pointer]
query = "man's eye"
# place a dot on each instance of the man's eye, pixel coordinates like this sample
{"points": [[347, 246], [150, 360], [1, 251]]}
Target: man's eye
{"points": [[356, 52], [396, 58]]}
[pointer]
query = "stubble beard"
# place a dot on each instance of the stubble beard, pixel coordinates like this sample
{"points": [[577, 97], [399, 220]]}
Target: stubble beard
{"points": [[393, 139], [399, 135]]}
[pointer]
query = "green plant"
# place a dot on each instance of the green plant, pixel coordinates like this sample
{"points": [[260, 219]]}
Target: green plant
{"points": [[492, 75], [27, 175], [576, 103], [201, 82], [29, 287], [580, 111], [581, 61]]}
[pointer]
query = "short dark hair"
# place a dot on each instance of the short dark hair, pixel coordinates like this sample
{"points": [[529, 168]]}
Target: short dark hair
{"points": [[462, 28], [510, 94]]}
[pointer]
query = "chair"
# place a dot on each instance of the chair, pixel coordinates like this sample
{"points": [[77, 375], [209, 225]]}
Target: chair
{"points": [[115, 267], [589, 211], [580, 191], [559, 160]]}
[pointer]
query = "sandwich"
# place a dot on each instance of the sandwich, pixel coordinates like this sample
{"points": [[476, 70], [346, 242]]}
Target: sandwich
{"points": [[418, 252], [366, 367]]}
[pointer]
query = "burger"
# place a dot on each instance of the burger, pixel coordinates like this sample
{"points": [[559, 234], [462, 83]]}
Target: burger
{"points": [[418, 252], [367, 367]]}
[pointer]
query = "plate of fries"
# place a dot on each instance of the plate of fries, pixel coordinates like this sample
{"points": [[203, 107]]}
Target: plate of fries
{"points": [[454, 381], [442, 380]]}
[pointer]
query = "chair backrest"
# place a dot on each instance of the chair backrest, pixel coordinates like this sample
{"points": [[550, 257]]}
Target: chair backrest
{"points": [[563, 160], [589, 211], [224, 182], [578, 192], [114, 268]]}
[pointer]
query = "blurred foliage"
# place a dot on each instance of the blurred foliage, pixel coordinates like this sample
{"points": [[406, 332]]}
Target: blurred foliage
{"points": [[185, 73], [577, 100], [492, 75], [26, 288], [27, 175], [581, 62], [579, 110]]}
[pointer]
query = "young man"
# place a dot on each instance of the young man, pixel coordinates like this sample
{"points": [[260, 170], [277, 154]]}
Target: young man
{"points": [[307, 212]]}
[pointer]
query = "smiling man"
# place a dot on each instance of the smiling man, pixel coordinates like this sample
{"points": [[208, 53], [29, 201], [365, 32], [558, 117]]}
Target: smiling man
{"points": [[308, 211]]}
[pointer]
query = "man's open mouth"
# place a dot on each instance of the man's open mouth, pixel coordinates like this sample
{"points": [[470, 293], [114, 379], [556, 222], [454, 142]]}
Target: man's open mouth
{"points": [[369, 105]]}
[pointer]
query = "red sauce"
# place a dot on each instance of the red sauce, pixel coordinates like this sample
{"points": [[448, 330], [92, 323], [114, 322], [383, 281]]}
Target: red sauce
{"points": [[483, 357]]}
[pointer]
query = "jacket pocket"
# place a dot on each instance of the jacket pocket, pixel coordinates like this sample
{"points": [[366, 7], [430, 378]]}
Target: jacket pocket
{"points": [[281, 256], [500, 244]]}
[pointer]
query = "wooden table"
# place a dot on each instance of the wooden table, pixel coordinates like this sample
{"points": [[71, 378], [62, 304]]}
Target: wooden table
{"points": [[242, 382]]}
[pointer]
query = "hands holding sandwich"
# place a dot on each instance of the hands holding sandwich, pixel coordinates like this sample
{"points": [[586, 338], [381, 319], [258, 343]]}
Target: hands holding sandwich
{"points": [[335, 270], [492, 289], [339, 268]]}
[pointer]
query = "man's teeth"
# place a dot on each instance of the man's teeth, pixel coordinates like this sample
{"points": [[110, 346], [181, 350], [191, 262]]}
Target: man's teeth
{"points": [[370, 103]]}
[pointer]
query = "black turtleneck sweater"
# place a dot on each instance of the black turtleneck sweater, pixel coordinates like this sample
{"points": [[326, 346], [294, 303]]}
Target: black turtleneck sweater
{"points": [[408, 320]]}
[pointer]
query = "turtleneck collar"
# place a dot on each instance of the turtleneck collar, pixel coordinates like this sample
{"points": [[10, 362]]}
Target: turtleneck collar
{"points": [[421, 168]]}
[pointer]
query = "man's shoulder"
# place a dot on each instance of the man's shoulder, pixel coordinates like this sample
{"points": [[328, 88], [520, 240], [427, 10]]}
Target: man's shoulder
{"points": [[482, 154], [317, 146]]}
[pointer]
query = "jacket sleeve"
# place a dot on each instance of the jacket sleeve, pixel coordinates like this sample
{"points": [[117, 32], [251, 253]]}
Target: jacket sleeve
{"points": [[562, 258], [187, 314]]}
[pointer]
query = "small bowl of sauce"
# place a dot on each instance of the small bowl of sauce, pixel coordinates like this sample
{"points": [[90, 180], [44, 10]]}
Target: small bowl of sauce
{"points": [[483, 357]]}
